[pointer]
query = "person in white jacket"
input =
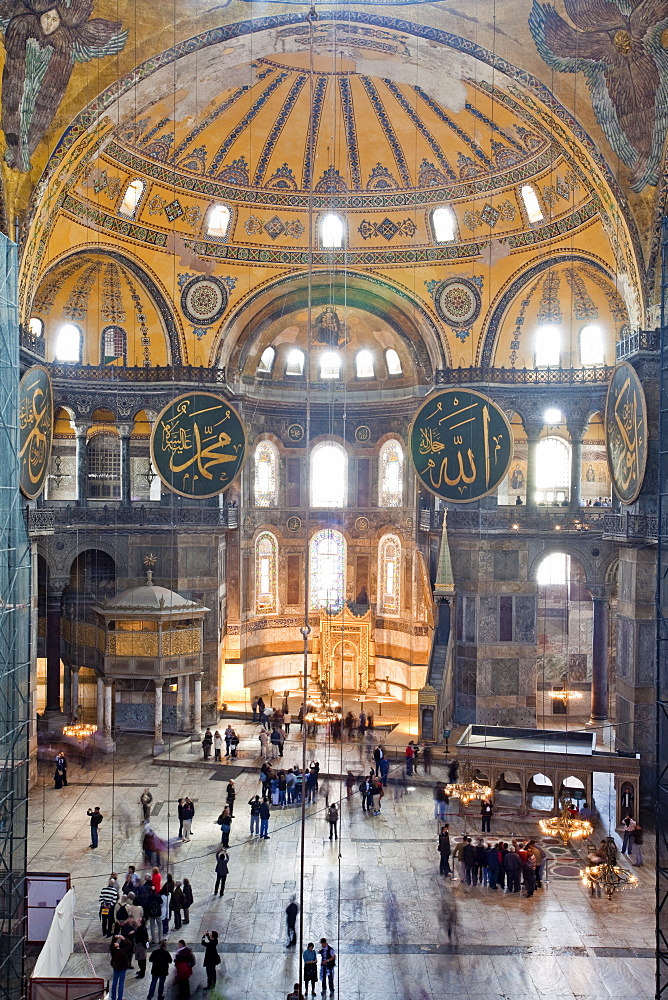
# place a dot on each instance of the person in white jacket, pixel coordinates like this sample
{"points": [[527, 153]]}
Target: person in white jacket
{"points": [[166, 898], [264, 743], [217, 745]]}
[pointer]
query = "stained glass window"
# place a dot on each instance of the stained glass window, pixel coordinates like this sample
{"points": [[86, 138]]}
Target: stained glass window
{"points": [[390, 478], [104, 467], [266, 461], [330, 365], [328, 560], [531, 203], [68, 344], [266, 550], [328, 476], [295, 363], [445, 226], [390, 561]]}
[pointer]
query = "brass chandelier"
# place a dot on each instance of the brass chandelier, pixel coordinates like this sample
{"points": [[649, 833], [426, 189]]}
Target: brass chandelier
{"points": [[468, 789], [80, 730], [608, 875], [566, 826]]}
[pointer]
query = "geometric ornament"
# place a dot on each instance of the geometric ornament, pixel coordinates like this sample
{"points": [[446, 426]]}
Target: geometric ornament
{"points": [[204, 300], [457, 301]]}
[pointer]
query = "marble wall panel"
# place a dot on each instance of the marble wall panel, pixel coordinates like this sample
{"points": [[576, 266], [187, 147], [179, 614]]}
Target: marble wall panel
{"points": [[646, 653], [488, 619], [469, 621], [625, 650], [505, 676], [525, 619], [506, 564]]}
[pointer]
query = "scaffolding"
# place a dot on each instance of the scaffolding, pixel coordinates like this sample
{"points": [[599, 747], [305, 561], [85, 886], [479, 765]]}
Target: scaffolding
{"points": [[14, 649]]}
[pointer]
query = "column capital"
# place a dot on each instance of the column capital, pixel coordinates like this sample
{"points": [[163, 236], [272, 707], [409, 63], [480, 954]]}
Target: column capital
{"points": [[107, 681], [159, 683], [56, 585], [598, 591], [124, 430], [81, 427]]}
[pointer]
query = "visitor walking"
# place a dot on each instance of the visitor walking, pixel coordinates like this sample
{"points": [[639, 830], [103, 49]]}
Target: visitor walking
{"points": [[254, 804], [222, 871], [60, 772], [140, 938], [224, 821], [146, 799], [231, 795], [444, 850], [96, 818], [486, 811], [628, 826], [207, 743], [211, 958], [108, 900], [217, 745], [291, 912], [187, 811], [187, 900], [637, 846], [333, 820]]}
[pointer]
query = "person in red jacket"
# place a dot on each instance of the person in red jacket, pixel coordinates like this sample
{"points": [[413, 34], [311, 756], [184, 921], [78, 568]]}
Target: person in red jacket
{"points": [[184, 962]]}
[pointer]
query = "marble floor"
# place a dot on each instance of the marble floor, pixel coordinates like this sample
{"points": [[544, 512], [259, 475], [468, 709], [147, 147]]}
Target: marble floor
{"points": [[376, 894]]}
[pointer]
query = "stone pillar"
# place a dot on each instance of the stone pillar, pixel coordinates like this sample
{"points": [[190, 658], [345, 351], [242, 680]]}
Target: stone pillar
{"points": [[74, 694], [108, 688], [184, 690], [53, 609], [158, 742], [80, 432], [197, 709], [124, 432], [599, 660], [576, 430], [533, 432], [100, 705], [67, 691]]}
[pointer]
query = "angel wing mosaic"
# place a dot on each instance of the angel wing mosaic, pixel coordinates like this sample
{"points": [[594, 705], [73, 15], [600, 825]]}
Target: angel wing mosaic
{"points": [[621, 47], [43, 40]]}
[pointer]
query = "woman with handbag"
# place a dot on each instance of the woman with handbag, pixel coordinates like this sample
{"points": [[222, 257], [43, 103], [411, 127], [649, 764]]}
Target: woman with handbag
{"points": [[224, 821]]}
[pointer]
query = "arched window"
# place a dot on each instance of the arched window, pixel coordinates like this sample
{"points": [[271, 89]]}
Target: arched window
{"points": [[266, 463], [330, 365], [389, 555], [548, 347], [554, 569], [218, 220], [114, 345], [444, 224], [295, 364], [364, 364], [266, 550], [131, 198], [393, 362], [553, 470], [331, 231], [328, 476], [266, 361], [68, 344], [390, 475], [592, 349], [35, 327], [104, 467], [531, 203], [328, 561]]}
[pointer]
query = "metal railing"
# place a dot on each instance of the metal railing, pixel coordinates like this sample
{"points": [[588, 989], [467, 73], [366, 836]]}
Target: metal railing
{"points": [[138, 515], [523, 376], [642, 340], [127, 373], [543, 519]]}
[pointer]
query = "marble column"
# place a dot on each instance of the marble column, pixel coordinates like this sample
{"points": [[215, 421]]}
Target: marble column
{"points": [[158, 742], [67, 691], [533, 432], [80, 432], [197, 709], [184, 691], [577, 432], [53, 608], [108, 688], [124, 432], [74, 693], [100, 705], [599, 660]]}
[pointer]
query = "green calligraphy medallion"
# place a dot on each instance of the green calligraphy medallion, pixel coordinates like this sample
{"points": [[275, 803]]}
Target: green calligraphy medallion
{"points": [[461, 444], [626, 432]]}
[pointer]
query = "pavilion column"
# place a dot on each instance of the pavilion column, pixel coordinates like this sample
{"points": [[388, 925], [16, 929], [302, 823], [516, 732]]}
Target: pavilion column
{"points": [[124, 433], [533, 432], [67, 691], [80, 433], [108, 686], [197, 708], [74, 693], [158, 742], [100, 704], [184, 690], [599, 664]]}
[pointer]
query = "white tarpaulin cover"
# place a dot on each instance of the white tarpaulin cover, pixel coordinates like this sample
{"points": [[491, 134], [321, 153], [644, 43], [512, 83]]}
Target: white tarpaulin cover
{"points": [[59, 944]]}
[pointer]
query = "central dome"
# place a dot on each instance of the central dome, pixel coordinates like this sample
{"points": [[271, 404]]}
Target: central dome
{"points": [[339, 130]]}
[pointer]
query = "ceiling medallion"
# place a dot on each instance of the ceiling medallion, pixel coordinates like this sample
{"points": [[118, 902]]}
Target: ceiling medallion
{"points": [[295, 432], [203, 300], [457, 301]]}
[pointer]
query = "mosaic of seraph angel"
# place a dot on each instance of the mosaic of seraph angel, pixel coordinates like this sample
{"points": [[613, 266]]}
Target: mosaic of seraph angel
{"points": [[620, 46], [43, 40]]}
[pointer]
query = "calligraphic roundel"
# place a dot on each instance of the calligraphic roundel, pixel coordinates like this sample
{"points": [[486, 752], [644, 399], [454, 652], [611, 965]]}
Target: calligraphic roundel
{"points": [[35, 430], [198, 445], [626, 432], [461, 444]]}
